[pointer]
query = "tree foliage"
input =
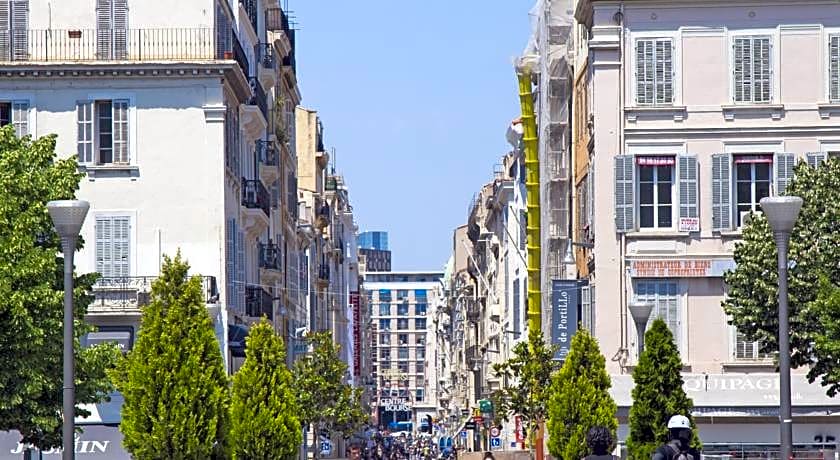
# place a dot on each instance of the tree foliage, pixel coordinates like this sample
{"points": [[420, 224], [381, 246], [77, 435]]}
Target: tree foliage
{"points": [[752, 300], [528, 373], [264, 411], [658, 393], [579, 399], [826, 308], [32, 295], [174, 382], [325, 400]]}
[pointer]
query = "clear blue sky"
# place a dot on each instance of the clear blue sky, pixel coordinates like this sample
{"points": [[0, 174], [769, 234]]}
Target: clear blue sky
{"points": [[415, 95]]}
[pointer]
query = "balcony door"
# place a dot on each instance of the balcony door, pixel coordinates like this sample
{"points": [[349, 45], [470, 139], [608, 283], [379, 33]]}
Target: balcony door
{"points": [[112, 29]]}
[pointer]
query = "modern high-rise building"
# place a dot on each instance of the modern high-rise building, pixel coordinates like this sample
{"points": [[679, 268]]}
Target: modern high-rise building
{"points": [[373, 240]]}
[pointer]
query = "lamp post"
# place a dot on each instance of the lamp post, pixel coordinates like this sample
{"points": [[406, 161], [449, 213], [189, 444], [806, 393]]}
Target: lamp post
{"points": [[68, 217], [640, 311], [782, 212]]}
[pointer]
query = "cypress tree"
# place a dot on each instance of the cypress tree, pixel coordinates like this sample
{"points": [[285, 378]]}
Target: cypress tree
{"points": [[579, 399], [174, 382], [658, 393], [264, 411]]}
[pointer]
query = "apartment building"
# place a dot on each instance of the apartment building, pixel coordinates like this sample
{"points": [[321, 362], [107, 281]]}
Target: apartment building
{"points": [[403, 365], [687, 114]]}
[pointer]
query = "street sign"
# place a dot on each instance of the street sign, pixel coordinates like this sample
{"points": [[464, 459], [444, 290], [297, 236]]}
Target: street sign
{"points": [[495, 443], [326, 447], [463, 434], [494, 432], [486, 406], [470, 425]]}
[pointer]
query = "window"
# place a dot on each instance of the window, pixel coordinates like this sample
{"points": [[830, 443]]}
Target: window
{"points": [[654, 71], [112, 246], [402, 294], [402, 339], [402, 309], [235, 265], [656, 195], [384, 309], [751, 69], [385, 353], [384, 339], [421, 353], [752, 183], [402, 353], [14, 33], [402, 324], [420, 366], [111, 29], [421, 339], [420, 381], [663, 295], [419, 394], [232, 139], [420, 324], [384, 324], [516, 308], [748, 350], [523, 227], [402, 367], [834, 68], [385, 365], [15, 113], [420, 309], [384, 295], [420, 296], [102, 132]]}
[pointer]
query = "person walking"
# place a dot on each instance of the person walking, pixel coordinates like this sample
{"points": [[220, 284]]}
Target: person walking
{"points": [[678, 447], [600, 442]]}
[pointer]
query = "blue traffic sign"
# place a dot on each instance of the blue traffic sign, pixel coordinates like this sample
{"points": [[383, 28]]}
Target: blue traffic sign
{"points": [[463, 434], [495, 443]]}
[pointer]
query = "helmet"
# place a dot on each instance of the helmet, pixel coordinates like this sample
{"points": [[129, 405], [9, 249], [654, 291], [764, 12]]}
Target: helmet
{"points": [[679, 421]]}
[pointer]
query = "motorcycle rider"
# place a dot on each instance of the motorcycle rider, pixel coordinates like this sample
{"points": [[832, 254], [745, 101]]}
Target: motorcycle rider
{"points": [[678, 447]]}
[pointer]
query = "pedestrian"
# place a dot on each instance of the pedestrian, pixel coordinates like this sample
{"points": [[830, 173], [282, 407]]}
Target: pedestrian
{"points": [[489, 456], [679, 438], [600, 442]]}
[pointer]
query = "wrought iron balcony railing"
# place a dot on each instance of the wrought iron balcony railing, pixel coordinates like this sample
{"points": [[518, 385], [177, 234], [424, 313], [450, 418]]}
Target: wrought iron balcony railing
{"points": [[267, 153], [258, 97], [258, 302], [324, 272], [132, 292], [270, 256], [265, 55], [255, 196]]}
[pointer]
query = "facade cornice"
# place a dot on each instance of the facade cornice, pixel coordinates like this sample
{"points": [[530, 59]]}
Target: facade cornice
{"points": [[737, 131]]}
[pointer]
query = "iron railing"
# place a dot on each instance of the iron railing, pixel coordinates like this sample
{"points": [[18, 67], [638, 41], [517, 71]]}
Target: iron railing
{"points": [[267, 153], [255, 196], [258, 302], [265, 55], [132, 292], [251, 8], [324, 272], [269, 256], [258, 96]]}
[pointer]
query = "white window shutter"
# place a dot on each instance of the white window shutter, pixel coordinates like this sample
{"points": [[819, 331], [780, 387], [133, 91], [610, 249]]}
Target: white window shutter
{"points": [[120, 131], [104, 26], [5, 30], [230, 262], [644, 72], [815, 158], [624, 194], [20, 117], [240, 269], [763, 71], [784, 165], [84, 136], [223, 32], [834, 68], [20, 29], [664, 72], [120, 28], [688, 186], [104, 243], [721, 202], [122, 243]]}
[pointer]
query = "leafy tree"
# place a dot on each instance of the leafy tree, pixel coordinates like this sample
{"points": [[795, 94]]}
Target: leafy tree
{"points": [[658, 393], [827, 308], [579, 399], [32, 295], [264, 420], [174, 382], [530, 368], [326, 402], [752, 299]]}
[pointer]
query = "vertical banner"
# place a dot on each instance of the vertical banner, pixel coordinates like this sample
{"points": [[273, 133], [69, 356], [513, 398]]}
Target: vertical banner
{"points": [[357, 333], [565, 302]]}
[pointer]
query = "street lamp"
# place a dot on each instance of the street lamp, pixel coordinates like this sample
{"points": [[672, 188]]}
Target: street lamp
{"points": [[68, 217], [640, 311], [782, 212]]}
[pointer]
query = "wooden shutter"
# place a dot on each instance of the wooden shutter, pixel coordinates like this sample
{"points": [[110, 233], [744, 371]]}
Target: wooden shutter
{"points": [[20, 117], [122, 249], [230, 262], [784, 171], [113, 239], [664, 72], [104, 26], [742, 69], [834, 68], [721, 201], [20, 29], [120, 28], [84, 136], [120, 131], [104, 246], [5, 30], [624, 193], [688, 186], [762, 73], [815, 158], [240, 269], [644, 72], [224, 33]]}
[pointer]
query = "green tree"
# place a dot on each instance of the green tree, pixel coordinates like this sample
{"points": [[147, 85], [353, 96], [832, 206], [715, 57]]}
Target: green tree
{"points": [[326, 402], [752, 297], [579, 399], [529, 371], [176, 390], [826, 307], [32, 295], [264, 420], [658, 393]]}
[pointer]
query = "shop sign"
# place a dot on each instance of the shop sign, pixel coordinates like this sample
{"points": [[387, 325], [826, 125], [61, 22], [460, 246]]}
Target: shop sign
{"points": [[564, 314], [395, 404], [520, 429], [94, 443], [357, 333], [680, 268], [689, 224]]}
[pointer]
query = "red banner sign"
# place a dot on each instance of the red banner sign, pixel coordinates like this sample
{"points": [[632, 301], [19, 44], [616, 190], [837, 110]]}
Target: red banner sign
{"points": [[357, 333], [655, 161]]}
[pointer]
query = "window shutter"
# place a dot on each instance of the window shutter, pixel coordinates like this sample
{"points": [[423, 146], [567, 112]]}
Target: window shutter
{"points": [[122, 241], [784, 171], [664, 72], [104, 244], [230, 262], [20, 117], [688, 186], [721, 206], [104, 26], [20, 29], [763, 71], [240, 269], [5, 30], [84, 137], [120, 131], [834, 68], [624, 191], [120, 28], [742, 67], [586, 308], [644, 72], [223, 32], [815, 158]]}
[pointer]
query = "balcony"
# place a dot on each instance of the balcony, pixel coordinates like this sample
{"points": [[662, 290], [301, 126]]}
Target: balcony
{"points": [[268, 158], [258, 302], [266, 64], [324, 275], [127, 294], [257, 202], [251, 9], [258, 98], [270, 256]]}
